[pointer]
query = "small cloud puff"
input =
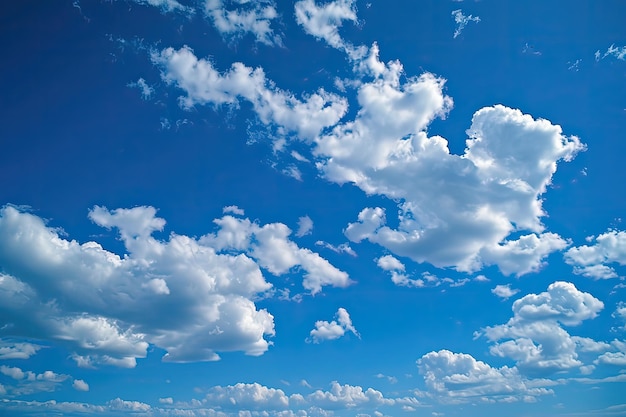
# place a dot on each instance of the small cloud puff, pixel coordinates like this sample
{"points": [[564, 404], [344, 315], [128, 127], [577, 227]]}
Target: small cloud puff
{"points": [[80, 385], [335, 329], [504, 291], [305, 226]]}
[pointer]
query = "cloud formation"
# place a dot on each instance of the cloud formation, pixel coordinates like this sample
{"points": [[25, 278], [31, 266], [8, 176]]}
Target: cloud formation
{"points": [[254, 17], [461, 21], [534, 336], [459, 378], [591, 261], [182, 294], [203, 84], [335, 329]]}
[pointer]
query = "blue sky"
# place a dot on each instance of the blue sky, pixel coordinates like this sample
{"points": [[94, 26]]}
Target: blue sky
{"points": [[276, 209]]}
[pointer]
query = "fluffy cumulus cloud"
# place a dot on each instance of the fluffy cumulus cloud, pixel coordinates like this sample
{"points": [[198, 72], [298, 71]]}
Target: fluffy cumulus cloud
{"points": [[247, 397], [456, 210], [591, 260], [242, 17], [80, 385], [347, 396], [335, 329], [270, 246], [397, 269], [458, 378], [10, 349], [534, 336], [184, 295], [203, 84], [504, 291]]}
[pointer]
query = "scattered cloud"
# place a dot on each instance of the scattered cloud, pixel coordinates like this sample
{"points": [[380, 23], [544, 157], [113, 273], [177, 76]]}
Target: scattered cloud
{"points": [[341, 248], [591, 261], [612, 51], [397, 269], [247, 397], [80, 385], [620, 313], [203, 84], [323, 22], [534, 337], [574, 66], [504, 291], [8, 348], [191, 297], [167, 6], [305, 226], [471, 201], [270, 246], [530, 49], [457, 378], [254, 17], [142, 85], [461, 21], [234, 210], [347, 396], [335, 329], [390, 379], [28, 382]]}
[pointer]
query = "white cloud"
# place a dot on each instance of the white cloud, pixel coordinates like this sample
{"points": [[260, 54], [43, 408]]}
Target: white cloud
{"points": [[254, 17], [234, 210], [203, 84], [305, 226], [347, 396], [13, 372], [459, 378], [9, 349], [80, 385], [341, 248], [534, 338], [275, 252], [590, 261], [122, 405], [167, 6], [247, 397], [504, 291], [612, 51], [390, 263], [396, 269], [142, 85], [166, 400], [461, 21], [612, 358], [180, 294], [525, 254], [335, 329], [472, 202], [323, 22], [28, 382], [620, 313]]}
